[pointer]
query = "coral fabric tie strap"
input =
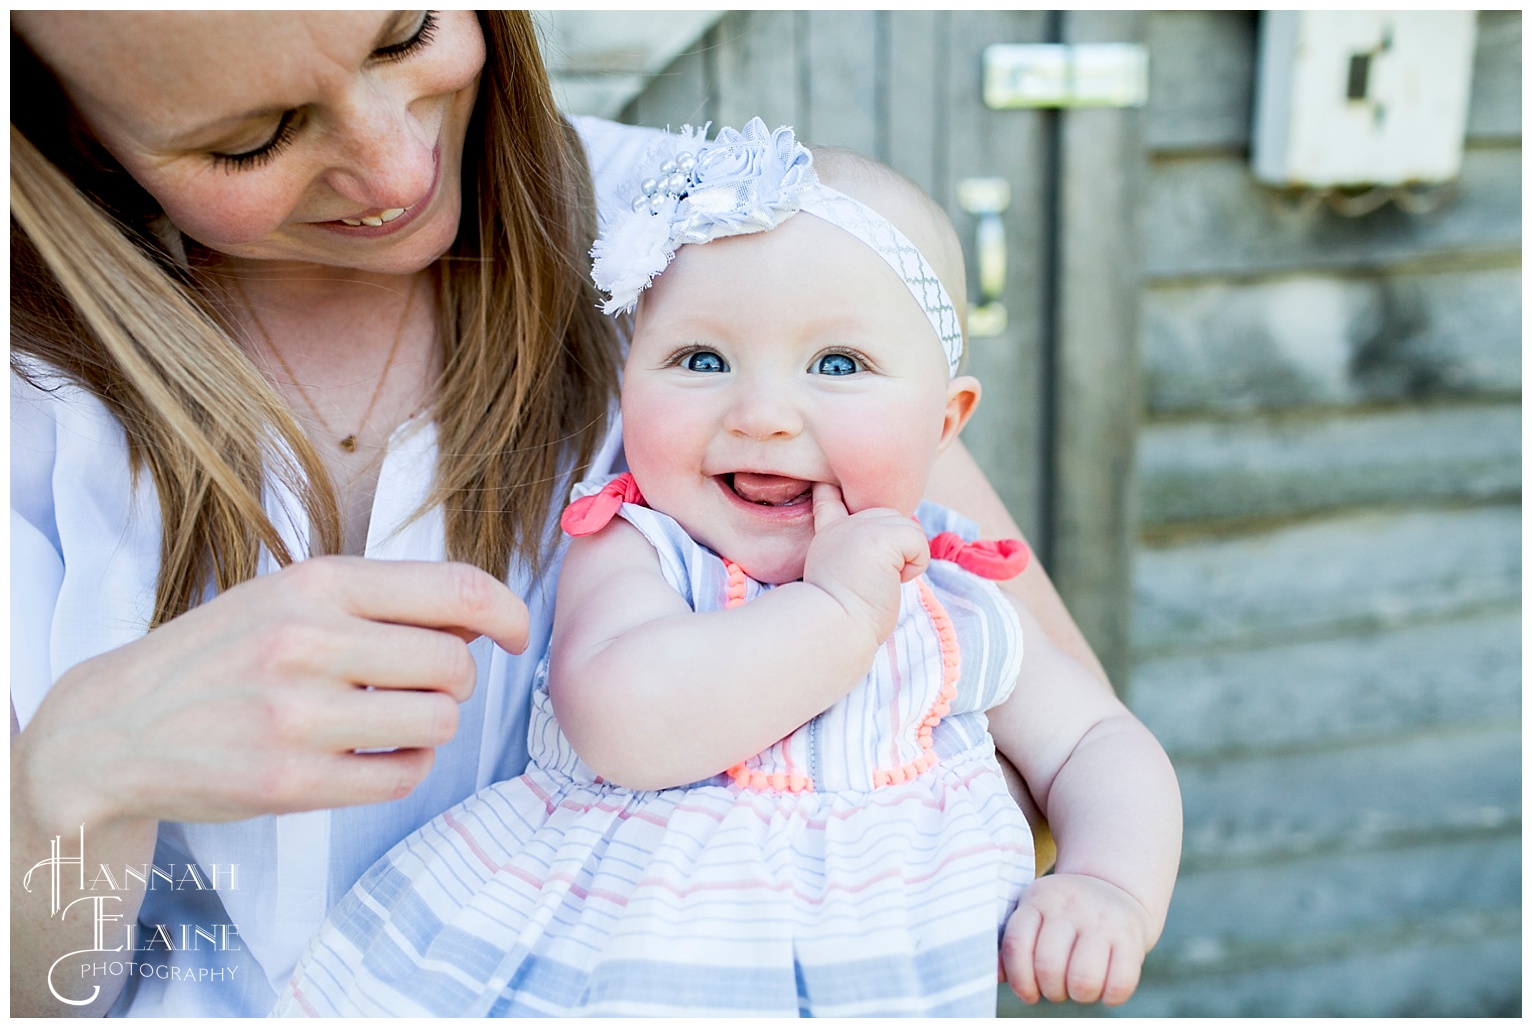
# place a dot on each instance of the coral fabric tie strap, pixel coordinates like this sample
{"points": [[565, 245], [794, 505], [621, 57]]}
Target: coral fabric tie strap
{"points": [[590, 514], [995, 559]]}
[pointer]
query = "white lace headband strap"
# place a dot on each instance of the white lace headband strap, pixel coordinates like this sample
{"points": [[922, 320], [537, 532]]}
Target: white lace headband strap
{"points": [[695, 191], [898, 253]]}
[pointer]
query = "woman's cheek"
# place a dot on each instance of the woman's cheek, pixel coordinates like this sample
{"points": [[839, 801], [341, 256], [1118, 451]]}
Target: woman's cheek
{"points": [[232, 212]]}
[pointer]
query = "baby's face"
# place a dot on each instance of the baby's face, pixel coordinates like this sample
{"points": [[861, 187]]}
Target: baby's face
{"points": [[762, 364]]}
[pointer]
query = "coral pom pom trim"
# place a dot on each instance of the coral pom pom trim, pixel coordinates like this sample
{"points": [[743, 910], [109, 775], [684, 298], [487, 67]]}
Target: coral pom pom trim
{"points": [[759, 781], [947, 638]]}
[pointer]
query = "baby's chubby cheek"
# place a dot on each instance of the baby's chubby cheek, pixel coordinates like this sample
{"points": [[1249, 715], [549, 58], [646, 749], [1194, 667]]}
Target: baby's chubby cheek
{"points": [[881, 476]]}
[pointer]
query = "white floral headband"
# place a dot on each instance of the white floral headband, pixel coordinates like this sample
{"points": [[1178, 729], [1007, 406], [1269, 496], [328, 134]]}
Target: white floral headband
{"points": [[739, 183]]}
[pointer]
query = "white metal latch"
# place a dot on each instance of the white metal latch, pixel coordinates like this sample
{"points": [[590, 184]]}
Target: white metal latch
{"points": [[1065, 75], [987, 199]]}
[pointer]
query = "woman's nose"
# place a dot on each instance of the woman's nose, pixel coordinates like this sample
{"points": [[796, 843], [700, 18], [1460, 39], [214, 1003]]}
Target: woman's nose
{"points": [[384, 157], [763, 411]]}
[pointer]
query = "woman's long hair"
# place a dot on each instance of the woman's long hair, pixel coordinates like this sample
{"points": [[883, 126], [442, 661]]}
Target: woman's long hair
{"points": [[530, 364]]}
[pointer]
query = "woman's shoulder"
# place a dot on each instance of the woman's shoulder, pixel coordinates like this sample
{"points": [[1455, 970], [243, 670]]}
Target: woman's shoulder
{"points": [[613, 151], [49, 409]]}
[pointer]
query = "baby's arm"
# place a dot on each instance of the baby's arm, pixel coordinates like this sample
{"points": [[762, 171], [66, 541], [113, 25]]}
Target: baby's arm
{"points": [[653, 695], [1111, 799]]}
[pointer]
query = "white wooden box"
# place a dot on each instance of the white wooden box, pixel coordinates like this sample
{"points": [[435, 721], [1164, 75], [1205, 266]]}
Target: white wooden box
{"points": [[1357, 98]]}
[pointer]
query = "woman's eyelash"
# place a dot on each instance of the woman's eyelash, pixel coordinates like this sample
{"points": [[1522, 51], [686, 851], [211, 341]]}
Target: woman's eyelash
{"points": [[419, 41], [263, 153]]}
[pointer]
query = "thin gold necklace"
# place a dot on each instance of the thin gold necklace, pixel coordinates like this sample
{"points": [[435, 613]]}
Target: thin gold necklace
{"points": [[348, 442]]}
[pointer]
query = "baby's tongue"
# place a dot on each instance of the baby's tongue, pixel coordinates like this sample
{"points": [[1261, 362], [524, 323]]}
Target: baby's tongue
{"points": [[773, 490]]}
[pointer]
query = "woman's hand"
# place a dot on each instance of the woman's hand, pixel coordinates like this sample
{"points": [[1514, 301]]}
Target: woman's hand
{"points": [[258, 701]]}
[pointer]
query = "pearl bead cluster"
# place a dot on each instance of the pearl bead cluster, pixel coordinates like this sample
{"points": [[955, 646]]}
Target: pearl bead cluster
{"points": [[674, 180]]}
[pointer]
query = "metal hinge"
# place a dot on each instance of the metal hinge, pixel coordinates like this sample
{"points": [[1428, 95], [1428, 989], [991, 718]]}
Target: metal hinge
{"points": [[1065, 75]]}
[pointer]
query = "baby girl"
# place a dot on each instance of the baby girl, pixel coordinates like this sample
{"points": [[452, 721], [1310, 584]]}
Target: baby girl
{"points": [[763, 781]]}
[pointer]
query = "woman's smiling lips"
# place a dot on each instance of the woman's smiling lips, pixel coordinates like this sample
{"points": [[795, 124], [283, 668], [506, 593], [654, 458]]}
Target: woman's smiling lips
{"points": [[394, 219]]}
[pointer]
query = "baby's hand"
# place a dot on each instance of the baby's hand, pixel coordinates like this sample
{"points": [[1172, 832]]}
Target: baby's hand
{"points": [[860, 559], [1075, 937]]}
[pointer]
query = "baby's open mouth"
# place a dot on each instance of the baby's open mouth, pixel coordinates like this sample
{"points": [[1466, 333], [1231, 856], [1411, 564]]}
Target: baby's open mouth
{"points": [[768, 490]]}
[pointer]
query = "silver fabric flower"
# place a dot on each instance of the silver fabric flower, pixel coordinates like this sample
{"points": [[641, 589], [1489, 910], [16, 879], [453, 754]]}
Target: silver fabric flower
{"points": [[694, 191]]}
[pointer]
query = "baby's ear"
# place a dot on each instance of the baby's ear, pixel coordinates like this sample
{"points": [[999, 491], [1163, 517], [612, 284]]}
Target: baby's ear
{"points": [[962, 401]]}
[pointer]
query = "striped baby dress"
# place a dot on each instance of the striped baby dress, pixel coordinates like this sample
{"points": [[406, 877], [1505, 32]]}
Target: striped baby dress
{"points": [[864, 865]]}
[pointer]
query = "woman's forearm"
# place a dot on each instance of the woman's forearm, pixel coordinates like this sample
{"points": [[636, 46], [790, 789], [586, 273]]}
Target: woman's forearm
{"points": [[958, 482], [42, 937]]}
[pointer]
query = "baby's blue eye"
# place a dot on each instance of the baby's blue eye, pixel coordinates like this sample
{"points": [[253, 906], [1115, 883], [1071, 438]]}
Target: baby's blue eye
{"points": [[836, 364], [705, 360]]}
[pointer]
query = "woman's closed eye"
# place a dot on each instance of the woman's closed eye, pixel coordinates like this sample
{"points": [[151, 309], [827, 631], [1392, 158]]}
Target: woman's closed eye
{"points": [[422, 32], [246, 159], [418, 40]]}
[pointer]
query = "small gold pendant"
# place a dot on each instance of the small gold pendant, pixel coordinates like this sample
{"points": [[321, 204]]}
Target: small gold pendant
{"points": [[349, 444]]}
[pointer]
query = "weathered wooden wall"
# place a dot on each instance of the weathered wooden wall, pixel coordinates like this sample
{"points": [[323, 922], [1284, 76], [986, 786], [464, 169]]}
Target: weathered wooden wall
{"points": [[1327, 589]]}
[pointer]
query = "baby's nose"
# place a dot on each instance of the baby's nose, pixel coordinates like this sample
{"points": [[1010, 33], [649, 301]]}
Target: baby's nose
{"points": [[760, 412]]}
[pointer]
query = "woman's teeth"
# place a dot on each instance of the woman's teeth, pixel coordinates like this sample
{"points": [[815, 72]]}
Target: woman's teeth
{"points": [[374, 220]]}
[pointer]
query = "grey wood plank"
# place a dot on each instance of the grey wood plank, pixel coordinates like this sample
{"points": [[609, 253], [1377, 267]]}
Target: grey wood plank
{"points": [[756, 68], [842, 71], [1362, 797], [1324, 577], [1494, 110], [1441, 969], [1279, 467], [1314, 340], [1005, 435], [1100, 189], [1201, 80], [1433, 677], [915, 83], [1208, 217], [1334, 901]]}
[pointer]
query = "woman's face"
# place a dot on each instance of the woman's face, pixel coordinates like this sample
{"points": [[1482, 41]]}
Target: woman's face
{"points": [[333, 138]]}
